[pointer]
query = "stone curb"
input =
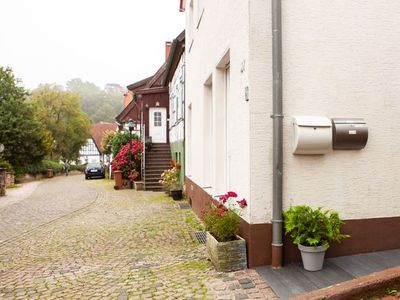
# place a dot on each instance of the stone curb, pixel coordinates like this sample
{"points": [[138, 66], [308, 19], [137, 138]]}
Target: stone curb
{"points": [[355, 287]]}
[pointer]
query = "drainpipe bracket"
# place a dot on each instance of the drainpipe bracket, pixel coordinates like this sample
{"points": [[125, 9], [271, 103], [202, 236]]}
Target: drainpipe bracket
{"points": [[276, 116], [277, 221], [277, 245]]}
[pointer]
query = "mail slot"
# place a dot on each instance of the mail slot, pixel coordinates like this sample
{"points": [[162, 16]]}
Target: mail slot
{"points": [[349, 133]]}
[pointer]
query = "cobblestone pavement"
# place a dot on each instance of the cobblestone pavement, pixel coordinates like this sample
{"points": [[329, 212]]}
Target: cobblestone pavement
{"points": [[91, 242], [50, 200]]}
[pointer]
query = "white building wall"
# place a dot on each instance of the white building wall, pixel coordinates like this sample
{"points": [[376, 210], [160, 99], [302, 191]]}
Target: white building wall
{"points": [[220, 37], [342, 59], [177, 96], [260, 94], [89, 153]]}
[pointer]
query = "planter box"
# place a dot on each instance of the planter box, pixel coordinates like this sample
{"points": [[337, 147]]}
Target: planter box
{"points": [[50, 173], [10, 179], [118, 180], [139, 185], [227, 256]]}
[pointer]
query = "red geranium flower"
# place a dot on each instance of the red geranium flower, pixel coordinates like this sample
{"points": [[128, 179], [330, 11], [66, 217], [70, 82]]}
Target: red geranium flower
{"points": [[242, 203], [232, 194]]}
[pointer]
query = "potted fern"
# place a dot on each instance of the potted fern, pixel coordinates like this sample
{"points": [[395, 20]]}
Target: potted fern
{"points": [[313, 230]]}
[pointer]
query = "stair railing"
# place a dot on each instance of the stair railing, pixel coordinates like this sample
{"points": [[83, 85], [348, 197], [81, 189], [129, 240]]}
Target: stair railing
{"points": [[143, 168]]}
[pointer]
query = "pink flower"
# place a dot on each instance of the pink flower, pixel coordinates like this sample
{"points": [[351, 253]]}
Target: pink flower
{"points": [[242, 203], [223, 198], [231, 194]]}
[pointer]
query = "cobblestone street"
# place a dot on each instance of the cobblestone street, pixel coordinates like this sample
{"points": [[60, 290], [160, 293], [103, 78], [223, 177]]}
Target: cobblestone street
{"points": [[72, 238]]}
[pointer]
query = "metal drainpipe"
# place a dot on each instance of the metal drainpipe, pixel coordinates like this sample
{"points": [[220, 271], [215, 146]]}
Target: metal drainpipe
{"points": [[277, 222]]}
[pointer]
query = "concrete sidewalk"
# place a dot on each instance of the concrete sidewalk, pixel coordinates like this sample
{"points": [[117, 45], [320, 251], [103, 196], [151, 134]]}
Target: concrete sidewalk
{"points": [[19, 193], [292, 280]]}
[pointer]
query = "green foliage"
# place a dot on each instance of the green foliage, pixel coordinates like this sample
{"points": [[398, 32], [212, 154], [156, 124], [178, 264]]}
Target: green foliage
{"points": [[98, 104], [106, 142], [222, 223], [192, 220], [25, 138], [6, 165], [120, 139], [170, 178], [310, 227], [80, 168], [60, 112], [40, 168]]}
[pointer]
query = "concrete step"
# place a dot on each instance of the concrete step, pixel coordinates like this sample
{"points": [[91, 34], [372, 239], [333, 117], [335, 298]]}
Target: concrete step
{"points": [[157, 165], [157, 158], [154, 189]]}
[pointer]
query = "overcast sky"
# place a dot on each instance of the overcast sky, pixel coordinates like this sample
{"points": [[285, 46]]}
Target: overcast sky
{"points": [[101, 41]]}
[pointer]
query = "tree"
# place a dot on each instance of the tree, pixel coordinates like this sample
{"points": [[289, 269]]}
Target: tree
{"points": [[26, 140], [106, 142], [100, 105], [60, 112]]}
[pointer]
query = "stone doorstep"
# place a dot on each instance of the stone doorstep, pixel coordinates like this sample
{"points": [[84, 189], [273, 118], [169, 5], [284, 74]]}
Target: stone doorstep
{"points": [[354, 287]]}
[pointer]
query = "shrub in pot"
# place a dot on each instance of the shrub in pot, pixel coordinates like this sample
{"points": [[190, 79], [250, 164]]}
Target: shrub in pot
{"points": [[170, 179], [313, 230], [225, 248]]}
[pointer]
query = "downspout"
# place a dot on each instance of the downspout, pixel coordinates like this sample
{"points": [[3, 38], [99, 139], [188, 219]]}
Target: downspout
{"points": [[277, 116]]}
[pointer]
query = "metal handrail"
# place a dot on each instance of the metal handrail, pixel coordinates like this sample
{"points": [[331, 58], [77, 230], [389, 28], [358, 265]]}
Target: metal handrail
{"points": [[143, 138]]}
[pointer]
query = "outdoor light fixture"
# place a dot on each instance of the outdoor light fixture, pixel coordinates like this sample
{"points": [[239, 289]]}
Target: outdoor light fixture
{"points": [[131, 125], [157, 103], [146, 106]]}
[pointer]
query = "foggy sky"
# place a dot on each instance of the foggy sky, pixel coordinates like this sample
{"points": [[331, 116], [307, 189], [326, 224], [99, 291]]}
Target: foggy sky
{"points": [[101, 41]]}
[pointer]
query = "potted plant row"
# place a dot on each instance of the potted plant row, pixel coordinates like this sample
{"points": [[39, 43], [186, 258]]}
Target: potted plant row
{"points": [[313, 231], [170, 179], [226, 250]]}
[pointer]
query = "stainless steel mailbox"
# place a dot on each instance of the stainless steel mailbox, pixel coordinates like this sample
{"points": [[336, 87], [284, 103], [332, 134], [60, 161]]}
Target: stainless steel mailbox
{"points": [[312, 135], [349, 133]]}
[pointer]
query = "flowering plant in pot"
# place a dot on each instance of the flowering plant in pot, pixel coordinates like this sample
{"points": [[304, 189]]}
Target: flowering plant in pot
{"points": [[225, 248], [313, 230], [129, 153], [170, 179]]}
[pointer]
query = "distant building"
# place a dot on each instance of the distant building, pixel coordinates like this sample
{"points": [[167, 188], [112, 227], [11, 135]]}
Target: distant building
{"points": [[174, 78], [93, 150]]}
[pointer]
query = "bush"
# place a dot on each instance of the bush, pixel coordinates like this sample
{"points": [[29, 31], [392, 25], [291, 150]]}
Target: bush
{"points": [[40, 168], [6, 165], [313, 228], [120, 139], [121, 160], [80, 168]]}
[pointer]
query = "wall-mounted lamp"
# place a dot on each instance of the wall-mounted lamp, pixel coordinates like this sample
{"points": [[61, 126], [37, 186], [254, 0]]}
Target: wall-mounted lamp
{"points": [[146, 106], [157, 103]]}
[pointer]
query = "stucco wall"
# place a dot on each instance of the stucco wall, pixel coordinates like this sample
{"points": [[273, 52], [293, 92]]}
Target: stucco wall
{"points": [[260, 94], [223, 30], [342, 58]]}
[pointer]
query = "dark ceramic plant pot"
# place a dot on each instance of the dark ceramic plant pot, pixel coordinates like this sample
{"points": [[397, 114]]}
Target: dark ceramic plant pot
{"points": [[176, 195]]}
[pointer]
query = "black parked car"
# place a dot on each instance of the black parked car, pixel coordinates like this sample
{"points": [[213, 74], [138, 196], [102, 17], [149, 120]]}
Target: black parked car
{"points": [[94, 170]]}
